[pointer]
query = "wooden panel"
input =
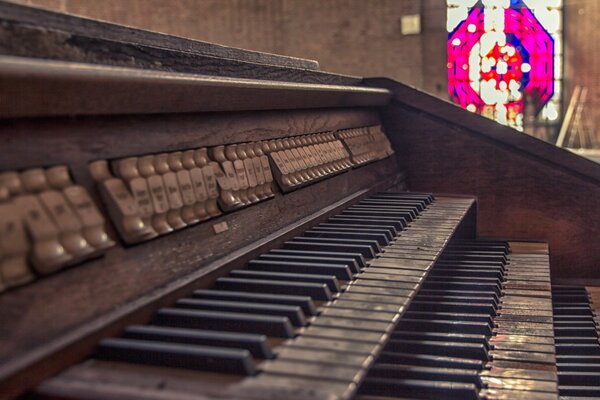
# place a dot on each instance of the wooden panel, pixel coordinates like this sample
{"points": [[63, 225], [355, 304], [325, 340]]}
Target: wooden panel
{"points": [[77, 141], [47, 88], [84, 27], [35, 33], [527, 189]]}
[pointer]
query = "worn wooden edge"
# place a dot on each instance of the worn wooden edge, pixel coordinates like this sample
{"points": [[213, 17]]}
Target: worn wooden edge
{"points": [[50, 88], [108, 31], [450, 113], [30, 368]]}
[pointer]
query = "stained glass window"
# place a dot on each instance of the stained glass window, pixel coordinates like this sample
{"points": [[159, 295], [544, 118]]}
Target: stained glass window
{"points": [[505, 58]]}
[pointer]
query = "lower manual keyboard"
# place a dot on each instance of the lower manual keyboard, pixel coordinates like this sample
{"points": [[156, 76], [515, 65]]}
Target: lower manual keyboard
{"points": [[480, 327], [315, 311], [577, 344]]}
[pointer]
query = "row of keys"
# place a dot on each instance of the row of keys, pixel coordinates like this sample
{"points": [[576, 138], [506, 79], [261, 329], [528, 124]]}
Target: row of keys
{"points": [[366, 144], [246, 176], [46, 223], [156, 194], [301, 160]]}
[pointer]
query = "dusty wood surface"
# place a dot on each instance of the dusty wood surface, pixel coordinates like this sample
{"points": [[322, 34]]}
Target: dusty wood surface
{"points": [[527, 189], [38, 33], [54, 88]]}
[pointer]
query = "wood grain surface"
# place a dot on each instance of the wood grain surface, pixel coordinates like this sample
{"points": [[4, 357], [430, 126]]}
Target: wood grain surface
{"points": [[527, 189]]}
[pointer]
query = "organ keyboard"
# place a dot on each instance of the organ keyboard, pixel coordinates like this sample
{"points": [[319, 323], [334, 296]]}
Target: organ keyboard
{"points": [[262, 229]]}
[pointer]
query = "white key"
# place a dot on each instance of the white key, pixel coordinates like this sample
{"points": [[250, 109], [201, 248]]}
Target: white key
{"points": [[94, 225], [48, 254], [14, 246]]}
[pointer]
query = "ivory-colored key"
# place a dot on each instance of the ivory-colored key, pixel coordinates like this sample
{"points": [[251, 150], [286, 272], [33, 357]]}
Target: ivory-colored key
{"points": [[161, 166], [266, 169], [198, 184], [295, 165], [282, 166], [158, 194], [184, 179], [94, 225], [120, 204], [309, 149], [90, 222], [226, 177], [294, 157], [303, 166], [58, 210], [210, 179], [48, 254], [127, 169], [242, 154], [11, 181], [287, 162], [240, 173], [259, 189], [14, 245]]}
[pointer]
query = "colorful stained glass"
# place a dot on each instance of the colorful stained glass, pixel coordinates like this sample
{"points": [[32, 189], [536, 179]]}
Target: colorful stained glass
{"points": [[503, 58]]}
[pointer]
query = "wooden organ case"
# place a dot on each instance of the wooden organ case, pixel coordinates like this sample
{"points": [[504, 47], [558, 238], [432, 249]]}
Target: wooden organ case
{"points": [[182, 220]]}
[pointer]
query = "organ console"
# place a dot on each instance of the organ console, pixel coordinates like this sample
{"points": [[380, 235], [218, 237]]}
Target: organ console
{"points": [[182, 220]]}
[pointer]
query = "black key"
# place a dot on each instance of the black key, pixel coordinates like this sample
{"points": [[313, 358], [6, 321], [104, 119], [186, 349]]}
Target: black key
{"points": [[304, 302], [438, 272], [415, 388], [294, 313], [373, 244], [389, 232], [450, 292], [578, 367], [357, 257], [454, 284], [318, 291], [339, 271], [410, 210], [488, 301], [578, 378], [205, 358], [565, 349], [448, 349], [365, 251], [373, 212], [418, 205], [398, 225], [349, 262], [276, 326], [411, 324], [330, 280], [257, 345], [341, 234], [587, 392], [426, 360], [478, 308], [391, 371], [441, 337], [426, 197], [448, 316]]}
